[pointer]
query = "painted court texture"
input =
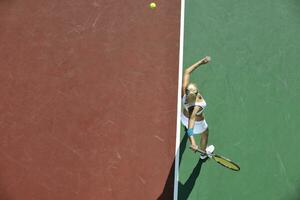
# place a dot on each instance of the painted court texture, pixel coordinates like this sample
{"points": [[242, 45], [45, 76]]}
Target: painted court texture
{"points": [[89, 99], [252, 88]]}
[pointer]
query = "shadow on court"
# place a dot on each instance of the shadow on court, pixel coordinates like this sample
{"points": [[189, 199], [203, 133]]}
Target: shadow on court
{"points": [[184, 190]]}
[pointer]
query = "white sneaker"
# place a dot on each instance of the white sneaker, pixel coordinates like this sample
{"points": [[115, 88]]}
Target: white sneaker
{"points": [[209, 150]]}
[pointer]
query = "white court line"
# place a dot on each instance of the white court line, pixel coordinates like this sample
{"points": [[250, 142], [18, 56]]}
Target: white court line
{"points": [[176, 173]]}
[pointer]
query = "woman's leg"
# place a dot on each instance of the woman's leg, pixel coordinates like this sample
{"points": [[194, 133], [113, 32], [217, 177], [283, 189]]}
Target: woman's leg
{"points": [[203, 140]]}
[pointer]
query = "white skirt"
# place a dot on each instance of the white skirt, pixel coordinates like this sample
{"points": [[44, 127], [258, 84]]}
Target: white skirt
{"points": [[199, 127]]}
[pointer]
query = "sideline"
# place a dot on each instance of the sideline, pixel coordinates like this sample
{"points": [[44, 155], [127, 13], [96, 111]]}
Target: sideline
{"points": [[176, 171]]}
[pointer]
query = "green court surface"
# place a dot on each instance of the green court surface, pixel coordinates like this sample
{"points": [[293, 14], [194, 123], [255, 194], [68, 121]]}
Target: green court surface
{"points": [[252, 87]]}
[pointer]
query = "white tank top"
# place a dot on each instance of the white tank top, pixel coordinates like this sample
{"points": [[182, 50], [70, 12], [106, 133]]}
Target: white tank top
{"points": [[187, 105]]}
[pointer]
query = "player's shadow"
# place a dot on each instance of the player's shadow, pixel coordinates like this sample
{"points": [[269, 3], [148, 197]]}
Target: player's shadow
{"points": [[185, 189]]}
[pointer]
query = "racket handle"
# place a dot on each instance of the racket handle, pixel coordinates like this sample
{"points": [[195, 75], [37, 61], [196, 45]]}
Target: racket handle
{"points": [[199, 150]]}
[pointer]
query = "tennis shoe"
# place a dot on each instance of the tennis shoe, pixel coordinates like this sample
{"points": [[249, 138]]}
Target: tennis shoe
{"points": [[210, 150]]}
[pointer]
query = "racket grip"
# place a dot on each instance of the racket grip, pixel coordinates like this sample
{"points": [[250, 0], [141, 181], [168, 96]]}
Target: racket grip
{"points": [[199, 150]]}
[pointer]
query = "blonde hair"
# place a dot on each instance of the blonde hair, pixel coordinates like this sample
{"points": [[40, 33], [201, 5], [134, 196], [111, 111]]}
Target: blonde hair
{"points": [[191, 93]]}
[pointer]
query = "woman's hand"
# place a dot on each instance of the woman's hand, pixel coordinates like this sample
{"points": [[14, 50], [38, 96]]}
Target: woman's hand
{"points": [[204, 60], [194, 147]]}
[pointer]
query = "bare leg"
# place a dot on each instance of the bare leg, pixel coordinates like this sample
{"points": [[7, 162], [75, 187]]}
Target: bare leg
{"points": [[204, 139]]}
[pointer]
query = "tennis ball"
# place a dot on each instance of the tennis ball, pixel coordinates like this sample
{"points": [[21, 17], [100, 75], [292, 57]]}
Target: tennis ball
{"points": [[152, 5]]}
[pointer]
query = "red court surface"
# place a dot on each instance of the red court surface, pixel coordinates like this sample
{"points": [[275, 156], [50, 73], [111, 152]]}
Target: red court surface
{"points": [[88, 99]]}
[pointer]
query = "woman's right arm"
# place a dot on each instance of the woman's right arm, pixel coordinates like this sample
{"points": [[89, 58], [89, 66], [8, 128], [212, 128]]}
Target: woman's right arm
{"points": [[191, 124]]}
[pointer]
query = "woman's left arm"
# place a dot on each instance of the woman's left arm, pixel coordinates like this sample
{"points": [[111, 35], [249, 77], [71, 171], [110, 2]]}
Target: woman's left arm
{"points": [[192, 119]]}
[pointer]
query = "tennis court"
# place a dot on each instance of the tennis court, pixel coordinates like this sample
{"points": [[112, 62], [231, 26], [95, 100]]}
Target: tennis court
{"points": [[252, 88], [89, 97], [87, 87]]}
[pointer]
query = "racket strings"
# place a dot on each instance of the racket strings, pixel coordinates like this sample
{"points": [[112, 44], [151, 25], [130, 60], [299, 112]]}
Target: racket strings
{"points": [[227, 163]]}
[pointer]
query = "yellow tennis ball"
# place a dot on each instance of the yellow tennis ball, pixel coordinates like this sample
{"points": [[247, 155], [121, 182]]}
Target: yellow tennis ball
{"points": [[152, 5]]}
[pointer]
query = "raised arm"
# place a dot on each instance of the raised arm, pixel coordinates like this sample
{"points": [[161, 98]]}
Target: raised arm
{"points": [[189, 70]]}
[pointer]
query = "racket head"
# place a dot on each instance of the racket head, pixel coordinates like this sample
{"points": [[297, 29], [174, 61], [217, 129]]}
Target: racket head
{"points": [[226, 162]]}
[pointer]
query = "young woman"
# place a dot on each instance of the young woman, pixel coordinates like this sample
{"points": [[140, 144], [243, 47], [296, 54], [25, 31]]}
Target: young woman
{"points": [[192, 116]]}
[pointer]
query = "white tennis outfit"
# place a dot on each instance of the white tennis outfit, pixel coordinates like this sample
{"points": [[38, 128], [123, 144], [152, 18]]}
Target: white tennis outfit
{"points": [[200, 126]]}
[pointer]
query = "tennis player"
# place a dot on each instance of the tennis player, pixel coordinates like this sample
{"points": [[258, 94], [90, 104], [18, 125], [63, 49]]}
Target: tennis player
{"points": [[192, 116]]}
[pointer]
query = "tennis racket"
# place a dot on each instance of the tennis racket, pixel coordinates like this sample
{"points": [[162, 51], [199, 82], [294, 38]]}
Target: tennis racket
{"points": [[222, 161]]}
